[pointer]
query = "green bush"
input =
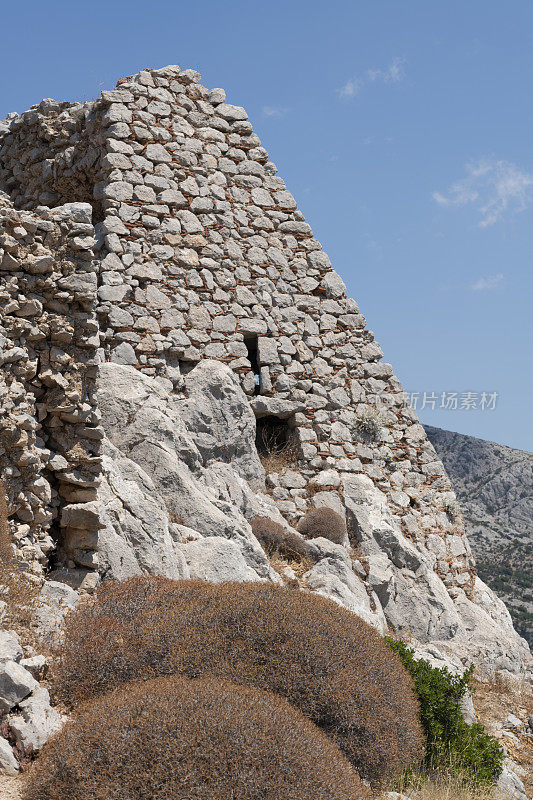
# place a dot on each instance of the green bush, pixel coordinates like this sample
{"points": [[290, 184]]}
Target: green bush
{"points": [[450, 742], [204, 739]]}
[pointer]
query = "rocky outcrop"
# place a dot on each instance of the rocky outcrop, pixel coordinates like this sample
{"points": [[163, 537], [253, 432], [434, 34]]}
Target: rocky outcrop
{"points": [[173, 509], [494, 485]]}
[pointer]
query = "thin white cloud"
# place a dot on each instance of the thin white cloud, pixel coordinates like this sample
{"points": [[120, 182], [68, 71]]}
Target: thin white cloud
{"points": [[394, 73], [351, 87], [490, 282], [493, 188], [274, 111]]}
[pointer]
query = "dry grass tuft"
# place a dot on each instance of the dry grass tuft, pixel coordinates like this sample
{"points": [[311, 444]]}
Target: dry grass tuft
{"points": [[18, 588], [299, 566], [324, 660], [443, 785], [277, 451], [279, 460], [207, 739]]}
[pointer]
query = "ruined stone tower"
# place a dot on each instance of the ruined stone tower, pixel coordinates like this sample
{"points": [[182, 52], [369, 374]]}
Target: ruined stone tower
{"points": [[198, 251]]}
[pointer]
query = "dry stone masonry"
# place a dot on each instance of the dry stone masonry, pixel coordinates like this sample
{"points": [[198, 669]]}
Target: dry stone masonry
{"points": [[141, 235]]}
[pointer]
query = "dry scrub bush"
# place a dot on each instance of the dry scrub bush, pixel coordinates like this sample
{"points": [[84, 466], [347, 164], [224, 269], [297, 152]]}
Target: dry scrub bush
{"points": [[279, 460], [16, 587], [203, 739], [277, 539], [324, 660], [324, 522]]}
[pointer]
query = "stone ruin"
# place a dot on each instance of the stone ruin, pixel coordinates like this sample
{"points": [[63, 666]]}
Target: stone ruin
{"points": [[146, 232]]}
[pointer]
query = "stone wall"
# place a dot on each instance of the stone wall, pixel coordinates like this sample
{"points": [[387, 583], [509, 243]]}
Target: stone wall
{"points": [[49, 435], [204, 254]]}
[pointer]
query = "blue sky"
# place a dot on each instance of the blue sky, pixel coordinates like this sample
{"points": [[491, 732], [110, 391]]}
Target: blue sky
{"points": [[402, 128]]}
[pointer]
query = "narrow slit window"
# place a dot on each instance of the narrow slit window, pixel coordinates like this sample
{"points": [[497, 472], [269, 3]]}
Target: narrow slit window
{"points": [[253, 358]]}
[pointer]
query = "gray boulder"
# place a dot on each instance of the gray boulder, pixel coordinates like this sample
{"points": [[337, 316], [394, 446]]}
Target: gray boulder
{"points": [[16, 683], [335, 579], [414, 599], [217, 559], [37, 721], [10, 647], [218, 414], [8, 763], [137, 537], [509, 786], [154, 449], [55, 602]]}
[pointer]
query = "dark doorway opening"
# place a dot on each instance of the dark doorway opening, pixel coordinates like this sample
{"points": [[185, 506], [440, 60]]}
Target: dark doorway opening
{"points": [[273, 435]]}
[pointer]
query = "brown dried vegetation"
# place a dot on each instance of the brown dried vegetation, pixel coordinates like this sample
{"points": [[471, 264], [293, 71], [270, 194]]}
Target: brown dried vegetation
{"points": [[17, 588], [324, 522], [207, 739], [277, 539], [320, 657]]}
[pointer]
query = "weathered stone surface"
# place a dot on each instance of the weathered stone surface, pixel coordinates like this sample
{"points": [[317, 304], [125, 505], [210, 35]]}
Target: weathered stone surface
{"points": [[217, 559], [156, 442], [218, 415], [55, 601], [37, 721], [335, 579], [16, 683], [10, 647], [509, 786], [8, 763], [136, 538]]}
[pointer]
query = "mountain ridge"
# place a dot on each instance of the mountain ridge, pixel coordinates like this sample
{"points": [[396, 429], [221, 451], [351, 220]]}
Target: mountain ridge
{"points": [[494, 485]]}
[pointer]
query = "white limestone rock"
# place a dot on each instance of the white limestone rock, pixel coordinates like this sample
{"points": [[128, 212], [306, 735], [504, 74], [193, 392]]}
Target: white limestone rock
{"points": [[217, 414], [156, 432], [509, 786], [137, 537], [217, 559], [10, 647], [335, 579], [16, 683], [55, 601], [8, 763], [414, 598], [37, 721]]}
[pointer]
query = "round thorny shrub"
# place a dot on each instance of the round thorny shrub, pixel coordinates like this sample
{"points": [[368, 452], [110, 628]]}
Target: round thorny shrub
{"points": [[451, 743], [204, 739], [324, 522], [323, 659], [277, 539]]}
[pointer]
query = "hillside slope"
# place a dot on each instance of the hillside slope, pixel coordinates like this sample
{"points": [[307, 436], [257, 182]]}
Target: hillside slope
{"points": [[494, 485]]}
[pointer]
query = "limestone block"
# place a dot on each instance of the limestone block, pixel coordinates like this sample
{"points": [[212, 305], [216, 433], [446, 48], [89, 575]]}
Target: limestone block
{"points": [[267, 350], [158, 154], [136, 538], [120, 190], [8, 763], [217, 559], [10, 648], [275, 406], [333, 578], [231, 113], [16, 683], [37, 721]]}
